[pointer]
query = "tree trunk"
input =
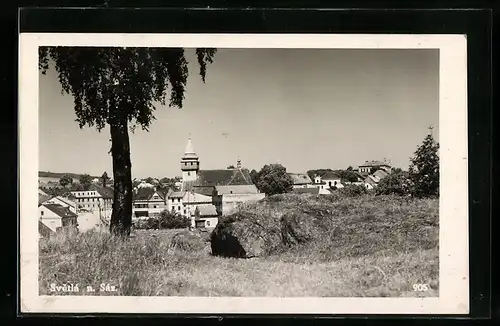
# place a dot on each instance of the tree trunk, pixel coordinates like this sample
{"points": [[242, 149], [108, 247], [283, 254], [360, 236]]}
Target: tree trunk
{"points": [[121, 218]]}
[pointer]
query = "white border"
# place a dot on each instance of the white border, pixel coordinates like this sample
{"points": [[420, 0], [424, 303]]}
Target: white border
{"points": [[454, 278]]}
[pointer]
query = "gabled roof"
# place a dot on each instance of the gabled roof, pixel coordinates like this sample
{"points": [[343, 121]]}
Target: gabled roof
{"points": [[206, 211], [177, 194], [106, 192], [61, 211], [370, 180], [240, 189], [300, 178], [65, 200], [380, 174], [147, 194], [314, 190], [330, 175], [223, 177]]}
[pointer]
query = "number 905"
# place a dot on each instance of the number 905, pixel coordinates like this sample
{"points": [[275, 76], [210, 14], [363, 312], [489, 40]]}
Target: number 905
{"points": [[420, 287]]}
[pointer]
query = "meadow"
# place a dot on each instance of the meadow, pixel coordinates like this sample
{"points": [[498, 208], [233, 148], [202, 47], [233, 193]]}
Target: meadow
{"points": [[379, 246]]}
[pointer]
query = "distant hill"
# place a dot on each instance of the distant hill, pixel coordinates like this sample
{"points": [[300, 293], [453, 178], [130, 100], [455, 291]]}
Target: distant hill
{"points": [[58, 175]]}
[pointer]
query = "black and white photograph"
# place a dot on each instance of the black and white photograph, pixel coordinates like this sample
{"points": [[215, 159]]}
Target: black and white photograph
{"points": [[190, 169]]}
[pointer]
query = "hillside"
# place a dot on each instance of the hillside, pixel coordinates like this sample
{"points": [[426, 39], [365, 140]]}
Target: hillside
{"points": [[58, 175]]}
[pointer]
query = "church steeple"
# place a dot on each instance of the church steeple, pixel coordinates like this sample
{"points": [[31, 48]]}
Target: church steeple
{"points": [[190, 163]]}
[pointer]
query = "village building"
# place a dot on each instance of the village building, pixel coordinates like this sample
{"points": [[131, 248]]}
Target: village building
{"points": [[55, 216], [227, 198], [148, 202], [95, 198], [64, 202], [332, 179], [206, 216], [368, 166], [372, 180], [206, 187], [301, 180], [185, 202]]}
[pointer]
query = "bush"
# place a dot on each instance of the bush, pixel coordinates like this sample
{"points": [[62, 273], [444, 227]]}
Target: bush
{"points": [[353, 191], [170, 220], [393, 184]]}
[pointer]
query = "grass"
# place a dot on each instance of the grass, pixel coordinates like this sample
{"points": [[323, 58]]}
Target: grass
{"points": [[355, 262]]}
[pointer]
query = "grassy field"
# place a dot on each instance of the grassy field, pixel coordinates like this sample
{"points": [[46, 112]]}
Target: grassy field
{"points": [[146, 264]]}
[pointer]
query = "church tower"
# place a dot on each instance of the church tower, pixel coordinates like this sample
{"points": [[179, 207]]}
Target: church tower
{"points": [[190, 163]]}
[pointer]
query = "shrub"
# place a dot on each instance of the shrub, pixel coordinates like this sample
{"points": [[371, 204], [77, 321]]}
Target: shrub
{"points": [[353, 190], [170, 220], [393, 184]]}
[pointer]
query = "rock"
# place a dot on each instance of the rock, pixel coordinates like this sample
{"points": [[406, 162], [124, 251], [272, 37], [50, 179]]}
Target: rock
{"points": [[188, 241], [299, 228], [245, 236]]}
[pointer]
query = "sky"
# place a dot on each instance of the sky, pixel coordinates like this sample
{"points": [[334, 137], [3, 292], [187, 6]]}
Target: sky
{"points": [[303, 108]]}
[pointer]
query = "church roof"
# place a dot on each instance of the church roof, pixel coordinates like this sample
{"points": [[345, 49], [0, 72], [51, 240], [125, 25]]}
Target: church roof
{"points": [[224, 177]]}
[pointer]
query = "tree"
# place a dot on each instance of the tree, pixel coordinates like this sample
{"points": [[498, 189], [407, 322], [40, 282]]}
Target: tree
{"points": [[66, 180], [349, 168], [230, 167], [173, 220], [424, 169], [104, 179], [253, 176], [348, 175], [85, 181], [119, 87], [273, 179]]}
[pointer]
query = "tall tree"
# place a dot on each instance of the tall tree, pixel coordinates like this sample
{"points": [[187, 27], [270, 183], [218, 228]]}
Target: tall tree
{"points": [[66, 180], [104, 179], [273, 179], [85, 181], [424, 169], [120, 87]]}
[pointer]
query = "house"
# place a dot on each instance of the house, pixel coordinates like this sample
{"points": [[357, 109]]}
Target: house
{"points": [[206, 216], [300, 180], [380, 174], [55, 216], [370, 182], [322, 185], [148, 202], [369, 166], [332, 179], [228, 198], [96, 198], [63, 201], [185, 202]]}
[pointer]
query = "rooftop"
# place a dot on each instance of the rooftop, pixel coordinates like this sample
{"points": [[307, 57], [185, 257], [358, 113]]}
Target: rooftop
{"points": [[60, 210], [300, 178]]}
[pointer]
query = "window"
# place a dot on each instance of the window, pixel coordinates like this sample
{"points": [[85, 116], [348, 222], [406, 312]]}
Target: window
{"points": [[329, 183], [184, 212], [178, 208], [189, 173], [41, 213], [335, 183], [208, 223], [191, 163]]}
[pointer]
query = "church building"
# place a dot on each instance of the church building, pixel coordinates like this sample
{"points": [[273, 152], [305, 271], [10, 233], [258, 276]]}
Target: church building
{"points": [[211, 190]]}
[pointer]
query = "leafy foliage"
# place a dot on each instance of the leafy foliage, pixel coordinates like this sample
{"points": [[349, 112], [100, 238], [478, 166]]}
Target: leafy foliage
{"points": [[396, 183], [85, 181], [353, 191], [166, 220], [230, 167], [273, 179], [119, 87], [424, 169], [104, 179], [66, 180], [253, 176], [111, 83]]}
